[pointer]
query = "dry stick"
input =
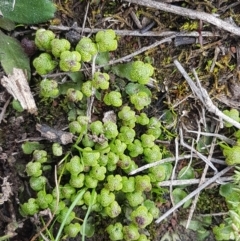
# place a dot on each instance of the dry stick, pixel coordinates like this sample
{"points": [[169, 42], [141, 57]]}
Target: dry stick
{"points": [[220, 137], [194, 203], [192, 194], [170, 159], [85, 18], [189, 182], [195, 151], [174, 169], [90, 100], [136, 32], [4, 109], [202, 94], [209, 18]]}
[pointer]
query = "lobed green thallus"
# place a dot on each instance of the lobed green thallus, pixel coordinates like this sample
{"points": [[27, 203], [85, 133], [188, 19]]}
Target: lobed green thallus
{"points": [[105, 150]]}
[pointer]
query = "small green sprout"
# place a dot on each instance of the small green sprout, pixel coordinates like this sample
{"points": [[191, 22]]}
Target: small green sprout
{"points": [[234, 114], [143, 183], [87, 88], [126, 114], [17, 106], [70, 61], [29, 208], [113, 210], [40, 156], [135, 198], [135, 148], [141, 217], [72, 230], [43, 39], [130, 232], [96, 127], [141, 72], [142, 119], [113, 98], [232, 155], [98, 172], [74, 166], [34, 169], [118, 146], [77, 181], [37, 183], [75, 127], [114, 182], [147, 140], [57, 149], [49, 88], [44, 199], [128, 184], [86, 48], [126, 134], [152, 154], [89, 157], [74, 95], [110, 129], [100, 81], [106, 40], [44, 64], [152, 208], [67, 191], [115, 231], [63, 213], [106, 197], [59, 45], [140, 100]]}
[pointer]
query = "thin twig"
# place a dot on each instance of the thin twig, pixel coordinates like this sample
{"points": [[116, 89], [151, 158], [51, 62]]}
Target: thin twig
{"points": [[136, 32], [173, 176], [171, 159], [203, 178], [195, 151], [135, 19], [85, 18], [190, 182], [216, 53], [92, 97], [202, 94], [192, 194], [220, 137], [214, 214], [4, 108], [206, 17]]}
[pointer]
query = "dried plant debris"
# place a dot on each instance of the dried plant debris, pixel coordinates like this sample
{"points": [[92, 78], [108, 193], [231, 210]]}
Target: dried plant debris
{"points": [[6, 191], [55, 135], [17, 85]]}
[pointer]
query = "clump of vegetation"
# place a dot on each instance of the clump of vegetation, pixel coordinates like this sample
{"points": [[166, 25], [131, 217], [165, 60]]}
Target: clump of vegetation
{"points": [[230, 228], [93, 174]]}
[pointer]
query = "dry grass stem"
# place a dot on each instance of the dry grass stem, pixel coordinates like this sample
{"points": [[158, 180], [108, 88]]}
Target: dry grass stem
{"points": [[4, 109], [220, 137], [189, 13], [190, 182], [202, 94], [136, 32], [171, 159], [173, 176], [195, 151], [192, 194], [203, 177]]}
